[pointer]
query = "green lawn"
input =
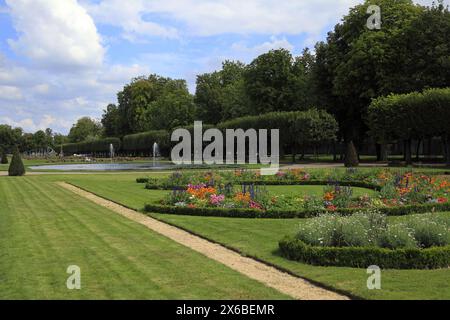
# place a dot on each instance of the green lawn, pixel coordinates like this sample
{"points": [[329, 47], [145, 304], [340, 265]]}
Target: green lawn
{"points": [[259, 238], [44, 229]]}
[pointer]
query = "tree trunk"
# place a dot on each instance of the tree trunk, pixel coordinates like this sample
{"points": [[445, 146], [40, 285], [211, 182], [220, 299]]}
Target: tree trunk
{"points": [[351, 156], [407, 151], [419, 142], [446, 140]]}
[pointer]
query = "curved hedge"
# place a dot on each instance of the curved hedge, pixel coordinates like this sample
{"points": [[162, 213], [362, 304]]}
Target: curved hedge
{"points": [[363, 257], [288, 214], [100, 146]]}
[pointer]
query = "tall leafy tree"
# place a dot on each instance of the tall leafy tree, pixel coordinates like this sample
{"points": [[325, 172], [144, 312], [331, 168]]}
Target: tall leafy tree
{"points": [[352, 66], [136, 98], [221, 95], [85, 129], [111, 121]]}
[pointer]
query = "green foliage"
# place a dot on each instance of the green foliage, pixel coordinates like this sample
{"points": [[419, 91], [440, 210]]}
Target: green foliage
{"points": [[172, 109], [142, 143], [16, 168], [297, 129], [413, 115], [85, 129], [275, 82], [111, 121], [100, 146], [397, 236], [430, 231], [221, 95], [137, 99], [363, 257]]}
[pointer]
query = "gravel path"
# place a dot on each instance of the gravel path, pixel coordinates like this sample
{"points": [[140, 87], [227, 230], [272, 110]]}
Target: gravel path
{"points": [[293, 286]]}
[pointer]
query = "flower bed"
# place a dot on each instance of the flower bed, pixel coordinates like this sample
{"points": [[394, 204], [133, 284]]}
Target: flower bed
{"points": [[399, 194], [366, 239]]}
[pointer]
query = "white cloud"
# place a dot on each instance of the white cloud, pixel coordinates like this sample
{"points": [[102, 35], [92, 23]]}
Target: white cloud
{"points": [[10, 93], [55, 34], [274, 43], [130, 16], [28, 123]]}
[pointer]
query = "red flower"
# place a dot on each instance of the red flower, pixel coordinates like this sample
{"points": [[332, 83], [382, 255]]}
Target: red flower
{"points": [[442, 200]]}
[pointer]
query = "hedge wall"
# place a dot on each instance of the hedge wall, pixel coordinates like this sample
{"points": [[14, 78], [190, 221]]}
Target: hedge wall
{"points": [[100, 146], [363, 257], [412, 116], [142, 143]]}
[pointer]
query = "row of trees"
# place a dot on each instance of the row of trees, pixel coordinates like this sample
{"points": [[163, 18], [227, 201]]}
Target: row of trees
{"points": [[418, 116], [27, 142], [353, 66], [410, 52], [300, 129]]}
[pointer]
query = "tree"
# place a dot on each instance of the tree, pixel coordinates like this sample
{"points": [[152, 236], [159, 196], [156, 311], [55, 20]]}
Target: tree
{"points": [[353, 66], [3, 157], [111, 121], [135, 100], [172, 109], [85, 129], [268, 82], [16, 168], [221, 95]]}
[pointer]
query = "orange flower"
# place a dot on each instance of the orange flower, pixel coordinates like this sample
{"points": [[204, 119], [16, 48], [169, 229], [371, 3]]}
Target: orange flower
{"points": [[242, 197], [201, 193], [329, 196]]}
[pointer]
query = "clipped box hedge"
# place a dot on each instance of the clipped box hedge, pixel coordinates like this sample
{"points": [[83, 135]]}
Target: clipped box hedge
{"points": [[287, 214], [363, 257], [357, 184]]}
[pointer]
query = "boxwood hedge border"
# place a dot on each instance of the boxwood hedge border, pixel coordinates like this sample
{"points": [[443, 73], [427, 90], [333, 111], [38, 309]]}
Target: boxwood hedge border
{"points": [[287, 214], [357, 184], [363, 257]]}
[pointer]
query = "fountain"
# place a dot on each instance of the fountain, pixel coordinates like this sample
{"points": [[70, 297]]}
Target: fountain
{"points": [[111, 152], [155, 152]]}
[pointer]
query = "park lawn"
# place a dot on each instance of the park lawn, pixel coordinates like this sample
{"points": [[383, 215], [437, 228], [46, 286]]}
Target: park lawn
{"points": [[259, 238], [44, 229]]}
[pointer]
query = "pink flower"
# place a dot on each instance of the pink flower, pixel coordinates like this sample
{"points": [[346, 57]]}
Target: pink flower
{"points": [[216, 199]]}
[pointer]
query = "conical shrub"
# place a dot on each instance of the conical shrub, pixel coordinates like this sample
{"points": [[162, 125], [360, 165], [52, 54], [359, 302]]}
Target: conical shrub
{"points": [[3, 157], [351, 156], [16, 168]]}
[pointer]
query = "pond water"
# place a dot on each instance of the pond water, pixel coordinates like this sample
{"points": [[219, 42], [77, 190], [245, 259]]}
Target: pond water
{"points": [[107, 166]]}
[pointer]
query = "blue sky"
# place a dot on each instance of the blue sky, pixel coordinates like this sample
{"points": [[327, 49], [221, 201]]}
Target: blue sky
{"points": [[63, 59]]}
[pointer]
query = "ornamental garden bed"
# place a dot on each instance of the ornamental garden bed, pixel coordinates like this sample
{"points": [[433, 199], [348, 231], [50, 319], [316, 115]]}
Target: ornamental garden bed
{"points": [[244, 194], [365, 239]]}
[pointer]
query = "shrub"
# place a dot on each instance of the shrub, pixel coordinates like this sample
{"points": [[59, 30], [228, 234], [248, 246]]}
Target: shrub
{"points": [[397, 236], [430, 231], [3, 157], [362, 257], [16, 168]]}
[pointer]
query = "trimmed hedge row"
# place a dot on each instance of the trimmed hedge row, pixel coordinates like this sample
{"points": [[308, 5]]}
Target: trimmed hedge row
{"points": [[287, 214], [363, 257], [143, 142], [357, 184], [88, 147]]}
